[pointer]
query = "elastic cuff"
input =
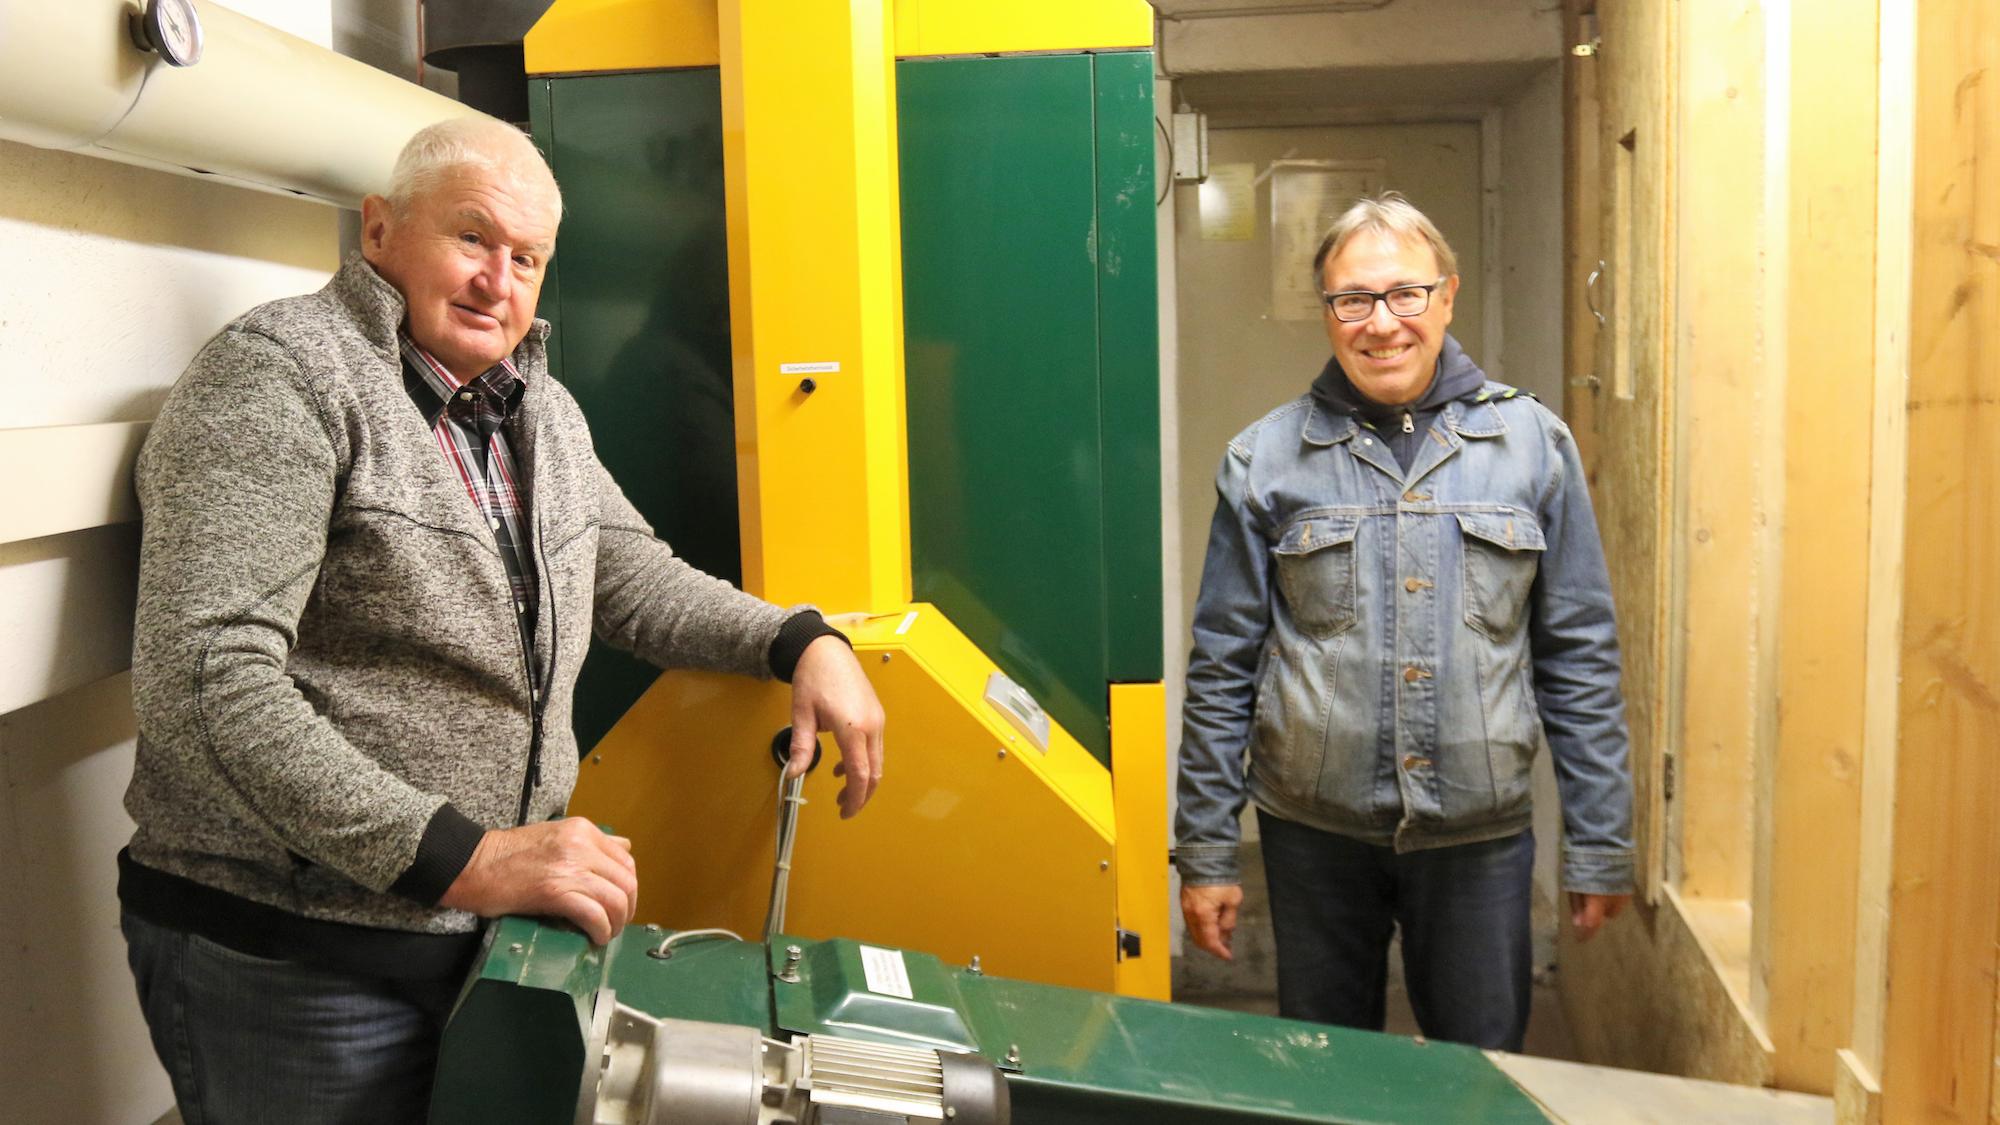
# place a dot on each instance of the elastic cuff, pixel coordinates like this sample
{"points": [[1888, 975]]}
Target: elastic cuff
{"points": [[1207, 865], [798, 631], [447, 846]]}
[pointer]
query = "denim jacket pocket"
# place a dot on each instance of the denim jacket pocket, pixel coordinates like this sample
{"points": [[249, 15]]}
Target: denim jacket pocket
{"points": [[1503, 550], [1315, 564]]}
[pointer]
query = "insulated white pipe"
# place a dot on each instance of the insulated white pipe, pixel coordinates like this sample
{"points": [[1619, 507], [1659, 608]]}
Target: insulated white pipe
{"points": [[262, 108]]}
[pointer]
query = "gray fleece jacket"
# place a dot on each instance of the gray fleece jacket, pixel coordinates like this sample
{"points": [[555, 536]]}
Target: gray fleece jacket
{"points": [[326, 660]]}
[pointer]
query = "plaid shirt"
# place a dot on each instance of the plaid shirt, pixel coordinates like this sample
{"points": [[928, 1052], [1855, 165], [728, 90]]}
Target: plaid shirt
{"points": [[469, 422]]}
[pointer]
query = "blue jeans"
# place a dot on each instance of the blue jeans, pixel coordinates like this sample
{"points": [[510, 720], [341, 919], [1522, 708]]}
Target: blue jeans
{"points": [[1463, 912], [250, 1040]]}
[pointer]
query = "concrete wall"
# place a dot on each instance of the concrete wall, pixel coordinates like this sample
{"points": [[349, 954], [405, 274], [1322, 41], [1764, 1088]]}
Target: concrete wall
{"points": [[1531, 236], [115, 276]]}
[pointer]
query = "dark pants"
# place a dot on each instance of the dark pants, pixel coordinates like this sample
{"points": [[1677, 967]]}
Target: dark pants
{"points": [[1463, 912], [255, 1041]]}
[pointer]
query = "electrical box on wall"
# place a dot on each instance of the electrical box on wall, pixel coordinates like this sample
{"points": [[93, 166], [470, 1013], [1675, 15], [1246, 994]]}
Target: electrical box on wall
{"points": [[1190, 147]]}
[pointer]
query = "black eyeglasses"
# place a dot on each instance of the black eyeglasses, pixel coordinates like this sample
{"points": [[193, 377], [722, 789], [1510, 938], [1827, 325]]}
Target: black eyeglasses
{"points": [[1350, 305]]}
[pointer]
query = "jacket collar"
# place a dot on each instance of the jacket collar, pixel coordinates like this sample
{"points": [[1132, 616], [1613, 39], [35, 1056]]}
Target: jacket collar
{"points": [[378, 309], [1479, 419]]}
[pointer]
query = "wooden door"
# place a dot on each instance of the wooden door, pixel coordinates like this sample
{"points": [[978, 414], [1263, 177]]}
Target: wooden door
{"points": [[1623, 399]]}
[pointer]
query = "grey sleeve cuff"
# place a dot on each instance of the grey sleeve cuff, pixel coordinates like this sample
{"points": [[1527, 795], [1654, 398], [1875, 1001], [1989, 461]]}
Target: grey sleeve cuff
{"points": [[446, 847], [1207, 865], [1598, 871], [798, 631]]}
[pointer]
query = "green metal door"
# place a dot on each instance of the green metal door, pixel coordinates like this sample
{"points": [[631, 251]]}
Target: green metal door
{"points": [[1028, 307], [640, 305]]}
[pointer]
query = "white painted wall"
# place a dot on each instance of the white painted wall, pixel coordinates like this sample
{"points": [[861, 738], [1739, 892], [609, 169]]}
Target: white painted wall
{"points": [[115, 275]]}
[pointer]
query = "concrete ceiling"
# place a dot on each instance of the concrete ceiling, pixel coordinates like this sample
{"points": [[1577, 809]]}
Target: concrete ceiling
{"points": [[1250, 62], [1285, 96]]}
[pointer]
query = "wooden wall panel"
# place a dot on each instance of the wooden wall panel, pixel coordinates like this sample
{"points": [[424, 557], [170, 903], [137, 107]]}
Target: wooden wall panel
{"points": [[1943, 898], [1655, 1002], [1581, 328], [1808, 823], [1635, 487], [1726, 442]]}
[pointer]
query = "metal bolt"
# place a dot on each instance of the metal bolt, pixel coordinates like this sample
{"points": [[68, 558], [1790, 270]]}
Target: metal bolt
{"points": [[597, 759], [885, 658], [517, 947], [1013, 1055], [808, 386], [790, 975], [1104, 865], [1003, 751], [1420, 1041], [652, 927], [974, 967]]}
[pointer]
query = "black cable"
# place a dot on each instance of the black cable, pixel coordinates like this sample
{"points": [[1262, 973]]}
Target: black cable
{"points": [[1167, 136]]}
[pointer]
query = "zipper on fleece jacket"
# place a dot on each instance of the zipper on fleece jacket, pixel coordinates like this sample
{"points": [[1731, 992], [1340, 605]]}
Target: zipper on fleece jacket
{"points": [[538, 693]]}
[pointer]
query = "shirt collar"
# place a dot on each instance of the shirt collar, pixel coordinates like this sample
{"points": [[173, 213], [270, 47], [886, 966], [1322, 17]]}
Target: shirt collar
{"points": [[431, 384]]}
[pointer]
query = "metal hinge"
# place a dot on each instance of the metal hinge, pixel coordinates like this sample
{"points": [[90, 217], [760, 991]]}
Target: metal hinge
{"points": [[1667, 776], [1128, 943]]}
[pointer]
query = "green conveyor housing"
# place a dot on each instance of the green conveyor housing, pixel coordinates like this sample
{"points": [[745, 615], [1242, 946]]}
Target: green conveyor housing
{"points": [[521, 1040]]}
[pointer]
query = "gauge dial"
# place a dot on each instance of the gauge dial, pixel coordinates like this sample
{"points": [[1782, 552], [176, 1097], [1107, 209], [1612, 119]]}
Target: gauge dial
{"points": [[172, 28]]}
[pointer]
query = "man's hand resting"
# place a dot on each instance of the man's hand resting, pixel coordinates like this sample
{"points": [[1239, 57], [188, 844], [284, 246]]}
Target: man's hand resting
{"points": [[1589, 912], [564, 868], [1210, 914], [831, 693]]}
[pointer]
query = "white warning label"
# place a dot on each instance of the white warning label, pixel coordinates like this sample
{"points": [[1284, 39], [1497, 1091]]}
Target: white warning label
{"points": [[887, 974]]}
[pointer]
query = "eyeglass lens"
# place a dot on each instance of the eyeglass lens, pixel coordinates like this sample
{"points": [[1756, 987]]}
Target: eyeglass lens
{"points": [[1408, 301]]}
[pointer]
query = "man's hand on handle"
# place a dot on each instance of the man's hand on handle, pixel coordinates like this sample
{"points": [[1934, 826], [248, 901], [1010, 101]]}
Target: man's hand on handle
{"points": [[831, 693], [562, 868], [1210, 913]]}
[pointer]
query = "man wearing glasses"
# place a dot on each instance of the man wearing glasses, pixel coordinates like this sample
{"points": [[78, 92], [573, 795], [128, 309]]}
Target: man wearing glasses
{"points": [[1404, 597]]}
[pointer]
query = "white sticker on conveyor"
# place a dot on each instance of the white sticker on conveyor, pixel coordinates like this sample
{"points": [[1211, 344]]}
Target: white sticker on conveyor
{"points": [[887, 974], [826, 367], [909, 619]]}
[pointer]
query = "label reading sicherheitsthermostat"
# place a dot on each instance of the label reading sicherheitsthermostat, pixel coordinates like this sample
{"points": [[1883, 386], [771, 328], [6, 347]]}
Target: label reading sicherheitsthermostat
{"points": [[824, 368], [886, 972]]}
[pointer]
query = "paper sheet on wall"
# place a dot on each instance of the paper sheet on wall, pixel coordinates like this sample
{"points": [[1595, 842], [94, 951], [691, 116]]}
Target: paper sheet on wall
{"points": [[1229, 203], [1306, 197]]}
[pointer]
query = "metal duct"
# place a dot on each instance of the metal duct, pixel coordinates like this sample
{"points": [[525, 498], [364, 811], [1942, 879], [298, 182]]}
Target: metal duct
{"points": [[480, 40], [262, 108]]}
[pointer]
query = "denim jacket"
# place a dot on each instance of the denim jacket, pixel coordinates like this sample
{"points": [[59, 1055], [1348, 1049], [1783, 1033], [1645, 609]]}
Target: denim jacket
{"points": [[1392, 649]]}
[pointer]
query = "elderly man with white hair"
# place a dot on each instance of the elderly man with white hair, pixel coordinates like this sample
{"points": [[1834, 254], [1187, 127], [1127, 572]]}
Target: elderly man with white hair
{"points": [[1404, 599], [376, 544]]}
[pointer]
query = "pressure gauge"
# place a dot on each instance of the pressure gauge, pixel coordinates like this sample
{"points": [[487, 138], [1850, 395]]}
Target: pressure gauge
{"points": [[170, 27]]}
